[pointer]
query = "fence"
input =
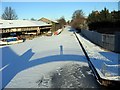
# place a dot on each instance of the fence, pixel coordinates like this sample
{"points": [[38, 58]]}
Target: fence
{"points": [[107, 41]]}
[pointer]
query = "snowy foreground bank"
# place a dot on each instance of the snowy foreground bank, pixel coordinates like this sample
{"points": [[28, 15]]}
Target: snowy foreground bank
{"points": [[105, 62]]}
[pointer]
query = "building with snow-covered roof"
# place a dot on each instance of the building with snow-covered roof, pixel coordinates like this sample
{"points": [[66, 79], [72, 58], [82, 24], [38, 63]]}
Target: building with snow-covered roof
{"points": [[7, 27], [55, 24], [48, 20]]}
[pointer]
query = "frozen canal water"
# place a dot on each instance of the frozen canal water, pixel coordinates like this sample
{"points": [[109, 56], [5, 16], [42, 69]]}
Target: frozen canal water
{"points": [[46, 62], [67, 74], [71, 75]]}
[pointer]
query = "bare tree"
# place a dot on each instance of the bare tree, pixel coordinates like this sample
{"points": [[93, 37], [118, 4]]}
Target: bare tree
{"points": [[78, 20], [62, 22], [77, 14], [9, 14]]}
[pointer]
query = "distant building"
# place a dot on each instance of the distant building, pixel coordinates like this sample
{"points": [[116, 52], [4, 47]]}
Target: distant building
{"points": [[23, 27], [55, 24]]}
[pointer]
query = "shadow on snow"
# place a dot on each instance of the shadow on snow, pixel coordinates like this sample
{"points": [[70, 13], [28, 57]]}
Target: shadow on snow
{"points": [[13, 63]]}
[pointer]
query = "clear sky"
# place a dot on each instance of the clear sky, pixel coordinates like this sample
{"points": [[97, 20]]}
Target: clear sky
{"points": [[55, 10]]}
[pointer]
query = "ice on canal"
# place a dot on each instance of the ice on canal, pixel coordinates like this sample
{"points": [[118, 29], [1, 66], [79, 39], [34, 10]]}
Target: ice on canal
{"points": [[67, 74]]}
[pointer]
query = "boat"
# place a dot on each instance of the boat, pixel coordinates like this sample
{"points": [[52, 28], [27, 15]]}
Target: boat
{"points": [[10, 40]]}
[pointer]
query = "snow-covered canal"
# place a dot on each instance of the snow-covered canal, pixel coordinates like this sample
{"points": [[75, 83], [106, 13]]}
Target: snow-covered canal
{"points": [[46, 62]]}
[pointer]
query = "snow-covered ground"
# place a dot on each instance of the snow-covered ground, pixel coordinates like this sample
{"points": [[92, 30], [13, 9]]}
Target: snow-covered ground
{"points": [[55, 61], [106, 63]]}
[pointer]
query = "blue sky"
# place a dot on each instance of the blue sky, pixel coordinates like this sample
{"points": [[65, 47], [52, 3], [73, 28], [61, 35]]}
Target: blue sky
{"points": [[55, 10]]}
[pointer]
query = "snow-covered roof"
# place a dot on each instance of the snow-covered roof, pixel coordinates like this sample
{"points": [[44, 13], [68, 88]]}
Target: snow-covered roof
{"points": [[55, 21], [48, 20], [21, 23]]}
